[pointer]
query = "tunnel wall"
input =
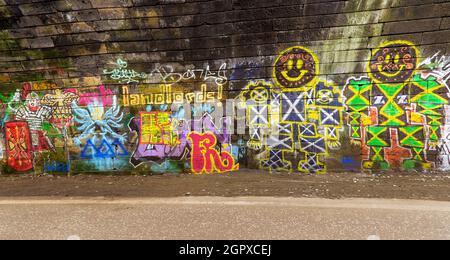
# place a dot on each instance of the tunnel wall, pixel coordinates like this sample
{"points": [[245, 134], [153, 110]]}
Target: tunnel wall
{"points": [[185, 86]]}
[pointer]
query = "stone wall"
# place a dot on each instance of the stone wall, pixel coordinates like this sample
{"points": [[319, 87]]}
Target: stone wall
{"points": [[154, 86]]}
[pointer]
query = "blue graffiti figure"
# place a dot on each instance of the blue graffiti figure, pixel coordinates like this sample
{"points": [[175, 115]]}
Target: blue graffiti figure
{"points": [[100, 129], [94, 122]]}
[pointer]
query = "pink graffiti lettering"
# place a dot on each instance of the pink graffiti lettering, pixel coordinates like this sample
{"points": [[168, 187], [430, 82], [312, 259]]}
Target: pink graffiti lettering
{"points": [[104, 95]]}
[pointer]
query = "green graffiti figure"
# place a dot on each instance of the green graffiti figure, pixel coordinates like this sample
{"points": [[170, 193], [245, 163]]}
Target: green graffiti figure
{"points": [[12, 102], [396, 115]]}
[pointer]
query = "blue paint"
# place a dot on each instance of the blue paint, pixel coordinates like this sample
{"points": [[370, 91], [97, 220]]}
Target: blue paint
{"points": [[105, 156], [104, 150], [350, 163], [56, 167], [348, 160]]}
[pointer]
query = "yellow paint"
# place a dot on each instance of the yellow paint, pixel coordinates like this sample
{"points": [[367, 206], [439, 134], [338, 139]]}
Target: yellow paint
{"points": [[316, 61], [157, 129], [165, 95], [205, 158], [260, 95], [384, 45]]}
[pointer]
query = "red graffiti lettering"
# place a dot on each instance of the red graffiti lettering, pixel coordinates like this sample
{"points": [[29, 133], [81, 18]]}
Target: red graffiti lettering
{"points": [[206, 159]]}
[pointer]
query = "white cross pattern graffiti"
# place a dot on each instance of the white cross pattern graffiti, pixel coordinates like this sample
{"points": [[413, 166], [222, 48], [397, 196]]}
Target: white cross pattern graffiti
{"points": [[314, 145], [310, 164], [259, 115], [332, 133], [255, 134], [280, 142], [295, 108], [276, 97], [275, 161], [283, 129], [308, 130], [330, 116]]}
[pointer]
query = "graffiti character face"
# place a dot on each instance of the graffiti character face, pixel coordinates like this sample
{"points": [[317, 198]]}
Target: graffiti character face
{"points": [[325, 96], [394, 62], [33, 101], [260, 95], [296, 67]]}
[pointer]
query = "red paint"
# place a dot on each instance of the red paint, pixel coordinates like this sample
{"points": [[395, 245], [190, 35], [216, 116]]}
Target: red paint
{"points": [[26, 90], [104, 95], [42, 142], [18, 146], [205, 158], [396, 154]]}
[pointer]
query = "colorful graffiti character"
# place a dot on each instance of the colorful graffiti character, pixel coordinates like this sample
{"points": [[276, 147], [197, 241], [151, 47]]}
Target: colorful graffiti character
{"points": [[61, 101], [100, 127], [396, 115], [94, 122], [35, 114], [304, 116], [18, 146]]}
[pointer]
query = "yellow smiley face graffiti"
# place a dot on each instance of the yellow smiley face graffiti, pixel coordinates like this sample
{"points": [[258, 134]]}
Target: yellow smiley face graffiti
{"points": [[393, 62], [296, 67]]}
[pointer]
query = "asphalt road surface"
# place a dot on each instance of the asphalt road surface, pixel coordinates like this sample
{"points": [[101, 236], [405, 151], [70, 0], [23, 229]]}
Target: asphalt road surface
{"points": [[208, 218]]}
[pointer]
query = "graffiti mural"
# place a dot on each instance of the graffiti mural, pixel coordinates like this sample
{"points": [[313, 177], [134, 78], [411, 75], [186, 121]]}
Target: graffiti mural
{"points": [[123, 73], [61, 101], [157, 129], [173, 152], [35, 113], [396, 114], [302, 114], [281, 114], [11, 104], [165, 95], [56, 167], [98, 127]]}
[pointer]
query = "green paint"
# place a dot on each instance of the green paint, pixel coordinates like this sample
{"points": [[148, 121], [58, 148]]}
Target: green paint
{"points": [[409, 164], [376, 141], [430, 82]]}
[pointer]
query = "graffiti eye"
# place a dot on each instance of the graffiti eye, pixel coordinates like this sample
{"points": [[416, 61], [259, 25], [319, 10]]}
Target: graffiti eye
{"points": [[299, 64], [397, 58], [388, 59], [290, 64]]}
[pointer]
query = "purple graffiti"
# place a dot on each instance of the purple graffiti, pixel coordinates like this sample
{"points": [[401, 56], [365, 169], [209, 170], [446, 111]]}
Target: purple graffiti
{"points": [[159, 153]]}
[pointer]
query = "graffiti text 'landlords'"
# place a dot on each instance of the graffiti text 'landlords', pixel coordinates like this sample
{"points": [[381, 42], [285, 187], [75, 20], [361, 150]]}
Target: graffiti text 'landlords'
{"points": [[167, 96]]}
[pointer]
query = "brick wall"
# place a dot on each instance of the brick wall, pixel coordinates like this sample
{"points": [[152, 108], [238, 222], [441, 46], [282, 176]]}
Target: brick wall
{"points": [[56, 54]]}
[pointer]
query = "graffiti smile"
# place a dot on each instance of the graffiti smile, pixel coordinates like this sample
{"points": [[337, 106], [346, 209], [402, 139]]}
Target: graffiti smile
{"points": [[299, 77], [388, 74]]}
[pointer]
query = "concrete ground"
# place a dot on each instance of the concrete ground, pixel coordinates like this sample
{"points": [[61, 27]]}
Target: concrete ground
{"points": [[222, 218]]}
